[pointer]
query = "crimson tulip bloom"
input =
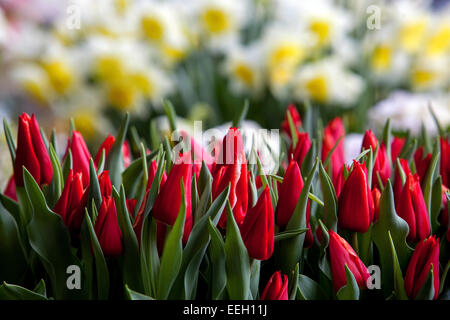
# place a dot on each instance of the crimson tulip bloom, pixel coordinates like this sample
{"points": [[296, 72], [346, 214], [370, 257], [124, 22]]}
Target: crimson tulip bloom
{"points": [[445, 161], [80, 156], [334, 131], [289, 193], [152, 169], [424, 256], [302, 148], [10, 189], [398, 185], [296, 120], [72, 203], [422, 163], [257, 229], [276, 288], [411, 207], [381, 166], [168, 201], [231, 168], [107, 229], [356, 207], [376, 195], [341, 254], [105, 184], [31, 153], [396, 147], [107, 146]]}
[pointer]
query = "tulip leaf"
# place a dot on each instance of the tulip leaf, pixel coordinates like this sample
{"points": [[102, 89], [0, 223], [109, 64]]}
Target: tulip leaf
{"points": [[57, 184], [114, 159], [436, 203], [237, 261], [101, 163], [150, 262], [433, 171], [350, 291], [330, 199], [444, 277], [170, 113], [9, 140], [12, 207], [324, 264], [217, 254], [133, 295], [100, 262], [130, 256], [291, 250], [255, 269], [389, 221], [293, 130], [387, 138], [289, 234], [95, 193], [309, 289], [204, 179], [50, 239], [67, 165], [41, 288], [14, 292], [427, 291], [399, 284], [173, 252], [132, 175], [308, 163], [237, 121]]}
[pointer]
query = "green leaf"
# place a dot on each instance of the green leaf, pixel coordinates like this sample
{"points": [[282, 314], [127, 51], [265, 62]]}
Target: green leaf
{"points": [[114, 160], [310, 289], [433, 171], [241, 115], [427, 290], [237, 261], [436, 203], [95, 193], [173, 252], [170, 113], [289, 234], [255, 269], [133, 295], [100, 263], [444, 277], [293, 130], [399, 284], [41, 288], [57, 184], [217, 254], [13, 292], [330, 199], [350, 291], [10, 141]]}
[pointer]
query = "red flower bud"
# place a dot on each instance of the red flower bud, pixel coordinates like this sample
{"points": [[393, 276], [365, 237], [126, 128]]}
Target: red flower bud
{"points": [[31, 153], [398, 185], [276, 288], [232, 169], [152, 169], [445, 161], [424, 256], [296, 120], [422, 163], [168, 201], [381, 166], [396, 147], [341, 254], [338, 183], [108, 230], [411, 207], [105, 184], [80, 156], [10, 190], [302, 148], [257, 229], [107, 145], [334, 131], [72, 203], [376, 195], [356, 207], [126, 152], [289, 193]]}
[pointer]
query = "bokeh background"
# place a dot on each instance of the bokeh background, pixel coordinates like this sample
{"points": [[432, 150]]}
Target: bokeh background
{"points": [[90, 61]]}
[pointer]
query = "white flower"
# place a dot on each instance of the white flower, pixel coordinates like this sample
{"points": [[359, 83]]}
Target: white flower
{"points": [[430, 73], [408, 111]]}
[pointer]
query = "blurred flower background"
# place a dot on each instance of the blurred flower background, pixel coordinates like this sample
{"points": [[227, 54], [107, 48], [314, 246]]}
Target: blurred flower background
{"points": [[90, 61]]}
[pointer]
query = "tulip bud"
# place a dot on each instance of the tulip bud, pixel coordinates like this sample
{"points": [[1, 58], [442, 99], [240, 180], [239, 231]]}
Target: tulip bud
{"points": [[296, 120], [398, 185], [105, 184], [168, 201], [334, 131], [424, 256], [276, 288], [445, 161], [80, 156], [422, 163], [396, 148], [107, 229], [152, 169], [232, 169], [356, 207], [72, 203], [381, 166], [338, 183], [376, 195], [444, 218], [341, 254], [411, 207], [257, 229], [289, 193], [10, 190], [302, 148], [31, 153], [107, 146]]}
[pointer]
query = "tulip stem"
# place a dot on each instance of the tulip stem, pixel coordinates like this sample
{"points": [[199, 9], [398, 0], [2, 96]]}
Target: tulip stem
{"points": [[355, 242]]}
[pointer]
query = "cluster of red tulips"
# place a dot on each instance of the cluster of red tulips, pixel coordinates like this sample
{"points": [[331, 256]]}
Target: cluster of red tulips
{"points": [[160, 225]]}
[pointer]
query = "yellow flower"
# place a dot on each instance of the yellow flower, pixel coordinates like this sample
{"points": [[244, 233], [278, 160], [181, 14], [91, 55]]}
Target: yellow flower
{"points": [[153, 28], [216, 21], [108, 68], [286, 55], [244, 73], [122, 94], [411, 35], [439, 42], [60, 75], [321, 28], [84, 121], [317, 89], [381, 58]]}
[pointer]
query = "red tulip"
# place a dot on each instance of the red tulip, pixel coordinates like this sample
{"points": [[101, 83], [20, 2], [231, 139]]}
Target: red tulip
{"points": [[396, 147], [126, 152], [398, 185], [356, 207], [334, 131], [296, 120], [422, 163], [289, 193], [72, 203], [341, 254], [338, 183], [108, 230], [444, 214], [107, 145], [231, 168], [152, 169], [376, 195], [302, 148], [411, 207], [80, 156], [257, 229], [105, 184], [445, 161], [10, 190], [168, 201], [381, 166], [31, 153], [424, 256], [276, 288]]}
